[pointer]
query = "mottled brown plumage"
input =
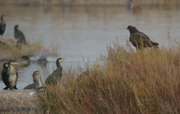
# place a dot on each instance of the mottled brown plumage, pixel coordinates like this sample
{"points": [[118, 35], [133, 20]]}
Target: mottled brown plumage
{"points": [[139, 39]]}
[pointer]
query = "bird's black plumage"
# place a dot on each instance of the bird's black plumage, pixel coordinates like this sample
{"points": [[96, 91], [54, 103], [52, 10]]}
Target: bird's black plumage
{"points": [[19, 35], [139, 39], [2, 25], [35, 84], [57, 74], [9, 75]]}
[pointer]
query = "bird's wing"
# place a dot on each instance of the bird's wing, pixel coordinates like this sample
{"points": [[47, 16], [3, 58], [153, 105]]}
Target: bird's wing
{"points": [[140, 37], [5, 77]]}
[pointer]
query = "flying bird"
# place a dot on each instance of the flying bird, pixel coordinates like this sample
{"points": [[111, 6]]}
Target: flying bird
{"points": [[139, 39], [2, 25]]}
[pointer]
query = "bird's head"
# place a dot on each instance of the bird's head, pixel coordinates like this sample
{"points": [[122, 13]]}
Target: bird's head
{"points": [[132, 29], [16, 27], [36, 73], [24, 57], [5, 65], [58, 61], [2, 17], [11, 62]]}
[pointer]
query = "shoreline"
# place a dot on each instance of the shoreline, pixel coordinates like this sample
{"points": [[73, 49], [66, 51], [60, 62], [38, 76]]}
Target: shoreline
{"points": [[112, 3]]}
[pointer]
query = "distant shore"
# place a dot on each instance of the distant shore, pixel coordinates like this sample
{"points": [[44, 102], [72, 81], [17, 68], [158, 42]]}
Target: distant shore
{"points": [[89, 2]]}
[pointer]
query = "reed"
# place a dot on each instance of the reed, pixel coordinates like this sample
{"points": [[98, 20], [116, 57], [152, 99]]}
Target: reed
{"points": [[9, 49], [123, 81]]}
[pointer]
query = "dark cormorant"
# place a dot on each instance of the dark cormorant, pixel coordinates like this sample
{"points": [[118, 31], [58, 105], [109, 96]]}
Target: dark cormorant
{"points": [[26, 59], [57, 74], [19, 35], [34, 85], [9, 75], [139, 39], [2, 25]]}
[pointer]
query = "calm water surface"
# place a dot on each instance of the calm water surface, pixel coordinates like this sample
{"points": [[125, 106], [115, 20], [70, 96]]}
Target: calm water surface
{"points": [[84, 32]]}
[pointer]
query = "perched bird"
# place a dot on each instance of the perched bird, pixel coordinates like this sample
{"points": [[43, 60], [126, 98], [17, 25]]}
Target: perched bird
{"points": [[139, 39], [19, 35], [34, 85], [26, 60], [2, 25], [9, 75], [57, 74]]}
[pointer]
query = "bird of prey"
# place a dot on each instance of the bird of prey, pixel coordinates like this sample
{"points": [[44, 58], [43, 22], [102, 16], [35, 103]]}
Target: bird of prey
{"points": [[139, 39]]}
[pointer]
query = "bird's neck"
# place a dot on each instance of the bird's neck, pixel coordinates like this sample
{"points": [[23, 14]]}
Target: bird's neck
{"points": [[35, 80]]}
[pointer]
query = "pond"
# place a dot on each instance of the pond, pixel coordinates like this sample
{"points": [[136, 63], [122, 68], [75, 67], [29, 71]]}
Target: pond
{"points": [[82, 33]]}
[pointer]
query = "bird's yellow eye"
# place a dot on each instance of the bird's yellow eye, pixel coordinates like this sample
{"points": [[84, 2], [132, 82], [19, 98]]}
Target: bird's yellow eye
{"points": [[60, 60], [6, 65]]}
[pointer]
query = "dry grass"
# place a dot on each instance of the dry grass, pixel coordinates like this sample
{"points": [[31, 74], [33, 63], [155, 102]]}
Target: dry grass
{"points": [[123, 81], [11, 51]]}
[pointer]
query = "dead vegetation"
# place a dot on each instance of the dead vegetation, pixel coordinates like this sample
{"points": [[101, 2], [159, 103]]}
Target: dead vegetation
{"points": [[123, 81], [10, 50]]}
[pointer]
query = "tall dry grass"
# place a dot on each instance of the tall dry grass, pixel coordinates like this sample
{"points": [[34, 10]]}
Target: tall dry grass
{"points": [[9, 50], [123, 81]]}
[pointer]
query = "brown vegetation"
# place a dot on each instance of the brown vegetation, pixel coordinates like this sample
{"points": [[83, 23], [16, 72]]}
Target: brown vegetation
{"points": [[123, 81], [10, 50]]}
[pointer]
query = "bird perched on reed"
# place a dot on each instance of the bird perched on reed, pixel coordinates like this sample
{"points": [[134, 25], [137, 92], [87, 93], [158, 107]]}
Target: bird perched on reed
{"points": [[19, 35], [139, 39], [35, 84], [57, 74], [9, 75], [2, 25]]}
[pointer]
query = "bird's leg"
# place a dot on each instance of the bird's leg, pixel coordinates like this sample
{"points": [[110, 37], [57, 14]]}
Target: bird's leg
{"points": [[5, 88], [15, 87]]}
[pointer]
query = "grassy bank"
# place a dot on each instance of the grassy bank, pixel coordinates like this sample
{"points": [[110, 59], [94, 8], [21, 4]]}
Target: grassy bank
{"points": [[123, 81], [9, 49]]}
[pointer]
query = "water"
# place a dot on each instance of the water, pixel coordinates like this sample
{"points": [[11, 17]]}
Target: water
{"points": [[84, 32]]}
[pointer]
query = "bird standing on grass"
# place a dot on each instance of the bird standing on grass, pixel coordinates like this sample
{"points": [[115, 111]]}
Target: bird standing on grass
{"points": [[34, 85], [57, 74], [9, 75], [139, 39], [19, 35], [2, 25]]}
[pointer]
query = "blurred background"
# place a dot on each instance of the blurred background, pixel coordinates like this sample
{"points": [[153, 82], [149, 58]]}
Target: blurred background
{"points": [[81, 29]]}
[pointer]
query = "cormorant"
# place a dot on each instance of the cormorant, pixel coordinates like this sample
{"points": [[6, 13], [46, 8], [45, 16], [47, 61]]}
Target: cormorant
{"points": [[139, 39], [9, 75], [34, 85], [2, 25], [57, 74], [26, 59], [19, 35]]}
